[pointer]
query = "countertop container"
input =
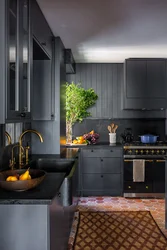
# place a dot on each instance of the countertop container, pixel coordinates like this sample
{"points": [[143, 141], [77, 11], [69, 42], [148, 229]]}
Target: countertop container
{"points": [[148, 138]]}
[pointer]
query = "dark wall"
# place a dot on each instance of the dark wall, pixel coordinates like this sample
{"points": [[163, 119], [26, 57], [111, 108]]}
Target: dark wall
{"points": [[139, 127], [107, 81]]}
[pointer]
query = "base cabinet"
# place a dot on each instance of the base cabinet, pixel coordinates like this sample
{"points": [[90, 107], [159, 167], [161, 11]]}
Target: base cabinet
{"points": [[101, 172]]}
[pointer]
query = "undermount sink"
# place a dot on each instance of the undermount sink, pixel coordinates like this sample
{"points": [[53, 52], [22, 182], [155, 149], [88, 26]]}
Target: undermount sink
{"points": [[69, 187]]}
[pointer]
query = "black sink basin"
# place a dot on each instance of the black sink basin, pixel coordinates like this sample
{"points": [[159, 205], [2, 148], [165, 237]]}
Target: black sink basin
{"points": [[53, 165], [69, 188]]}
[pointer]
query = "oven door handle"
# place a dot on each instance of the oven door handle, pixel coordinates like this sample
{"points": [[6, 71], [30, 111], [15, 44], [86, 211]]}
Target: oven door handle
{"points": [[138, 159], [147, 160]]}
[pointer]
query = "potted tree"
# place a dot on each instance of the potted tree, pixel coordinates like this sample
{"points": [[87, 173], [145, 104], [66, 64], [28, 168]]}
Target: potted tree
{"points": [[78, 100]]}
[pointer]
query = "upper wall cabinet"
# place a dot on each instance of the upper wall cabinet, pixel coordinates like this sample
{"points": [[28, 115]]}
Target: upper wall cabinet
{"points": [[43, 66], [40, 29], [145, 85], [18, 60]]}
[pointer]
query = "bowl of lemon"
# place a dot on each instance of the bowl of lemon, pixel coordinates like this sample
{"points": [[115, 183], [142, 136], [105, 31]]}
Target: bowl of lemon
{"points": [[21, 179]]}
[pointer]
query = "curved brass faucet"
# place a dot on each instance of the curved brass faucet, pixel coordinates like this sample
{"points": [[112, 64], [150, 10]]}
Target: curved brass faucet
{"points": [[8, 137], [20, 143], [12, 161]]}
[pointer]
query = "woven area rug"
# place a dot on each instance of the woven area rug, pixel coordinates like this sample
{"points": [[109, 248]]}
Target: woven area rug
{"points": [[116, 230]]}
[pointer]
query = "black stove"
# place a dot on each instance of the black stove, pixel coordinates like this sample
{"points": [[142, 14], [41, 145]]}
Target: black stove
{"points": [[137, 149]]}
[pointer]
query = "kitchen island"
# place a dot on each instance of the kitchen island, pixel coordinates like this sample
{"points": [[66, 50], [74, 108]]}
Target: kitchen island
{"points": [[33, 219]]}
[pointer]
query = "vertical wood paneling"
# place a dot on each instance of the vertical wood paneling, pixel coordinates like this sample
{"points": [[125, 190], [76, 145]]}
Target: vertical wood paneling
{"points": [[93, 109], [107, 80]]}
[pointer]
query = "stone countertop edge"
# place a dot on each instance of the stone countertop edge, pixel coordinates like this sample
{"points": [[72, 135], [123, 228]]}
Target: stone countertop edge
{"points": [[43, 194], [66, 153], [98, 145]]}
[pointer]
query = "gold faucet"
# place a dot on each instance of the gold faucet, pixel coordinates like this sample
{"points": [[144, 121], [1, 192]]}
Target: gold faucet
{"points": [[8, 137], [20, 144], [12, 162]]}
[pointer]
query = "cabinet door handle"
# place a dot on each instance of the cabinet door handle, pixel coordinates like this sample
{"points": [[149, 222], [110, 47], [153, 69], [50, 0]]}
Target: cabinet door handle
{"points": [[59, 194], [101, 176], [43, 43], [101, 159], [111, 150], [23, 114], [92, 150]]}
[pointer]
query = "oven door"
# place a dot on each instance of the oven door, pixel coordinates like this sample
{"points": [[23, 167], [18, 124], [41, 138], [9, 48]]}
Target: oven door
{"points": [[154, 183]]}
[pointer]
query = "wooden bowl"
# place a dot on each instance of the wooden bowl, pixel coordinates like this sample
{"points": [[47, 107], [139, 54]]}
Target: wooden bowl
{"points": [[37, 177]]}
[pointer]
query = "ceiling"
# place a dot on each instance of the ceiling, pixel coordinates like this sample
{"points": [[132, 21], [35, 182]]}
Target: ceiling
{"points": [[109, 30]]}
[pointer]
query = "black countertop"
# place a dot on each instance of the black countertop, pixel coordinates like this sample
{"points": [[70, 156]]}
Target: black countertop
{"points": [[97, 145], [42, 194]]}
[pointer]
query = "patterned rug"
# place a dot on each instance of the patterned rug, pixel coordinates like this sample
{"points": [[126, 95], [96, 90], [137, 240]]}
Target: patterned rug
{"points": [[117, 230]]}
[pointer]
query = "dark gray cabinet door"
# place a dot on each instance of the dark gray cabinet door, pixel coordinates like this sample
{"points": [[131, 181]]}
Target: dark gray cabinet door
{"points": [[136, 86], [40, 29], [41, 98], [19, 60], [145, 84], [2, 60], [91, 165]]}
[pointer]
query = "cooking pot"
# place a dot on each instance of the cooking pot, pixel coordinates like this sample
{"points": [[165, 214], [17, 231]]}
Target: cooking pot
{"points": [[148, 138]]}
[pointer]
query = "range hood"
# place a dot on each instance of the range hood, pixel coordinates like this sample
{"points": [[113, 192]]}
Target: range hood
{"points": [[69, 61]]}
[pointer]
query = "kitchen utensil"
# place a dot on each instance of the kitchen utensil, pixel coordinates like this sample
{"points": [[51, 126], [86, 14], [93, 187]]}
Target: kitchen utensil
{"points": [[109, 128], [115, 128], [37, 177], [148, 138], [112, 126]]}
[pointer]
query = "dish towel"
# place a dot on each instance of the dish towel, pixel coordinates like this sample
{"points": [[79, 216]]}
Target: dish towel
{"points": [[138, 170]]}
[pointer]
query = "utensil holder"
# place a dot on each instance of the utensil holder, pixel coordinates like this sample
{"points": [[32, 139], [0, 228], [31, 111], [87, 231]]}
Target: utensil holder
{"points": [[112, 137]]}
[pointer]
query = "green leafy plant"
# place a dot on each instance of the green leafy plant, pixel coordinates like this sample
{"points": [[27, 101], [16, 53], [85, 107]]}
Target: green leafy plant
{"points": [[78, 100]]}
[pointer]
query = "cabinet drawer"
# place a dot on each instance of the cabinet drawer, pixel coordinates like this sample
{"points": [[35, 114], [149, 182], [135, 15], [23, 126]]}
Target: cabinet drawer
{"points": [[103, 182], [111, 165], [92, 181], [91, 165], [113, 152]]}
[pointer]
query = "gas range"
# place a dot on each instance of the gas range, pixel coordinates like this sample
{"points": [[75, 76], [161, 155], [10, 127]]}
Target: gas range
{"points": [[137, 149]]}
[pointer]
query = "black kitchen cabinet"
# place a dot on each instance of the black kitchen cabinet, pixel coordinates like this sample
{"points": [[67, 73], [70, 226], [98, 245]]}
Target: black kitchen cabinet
{"points": [[101, 171], [15, 62], [19, 60], [43, 60], [49, 75], [2, 60], [145, 85], [41, 30]]}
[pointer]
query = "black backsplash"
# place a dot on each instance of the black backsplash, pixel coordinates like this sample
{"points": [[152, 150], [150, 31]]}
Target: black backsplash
{"points": [[138, 126]]}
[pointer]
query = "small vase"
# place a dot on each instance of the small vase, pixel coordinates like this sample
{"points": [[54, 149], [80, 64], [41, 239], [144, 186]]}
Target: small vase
{"points": [[68, 133]]}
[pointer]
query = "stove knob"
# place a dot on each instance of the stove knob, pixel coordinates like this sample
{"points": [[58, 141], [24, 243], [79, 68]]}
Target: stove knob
{"points": [[157, 152], [152, 151], [130, 151], [147, 151], [141, 151], [163, 151], [137, 151]]}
